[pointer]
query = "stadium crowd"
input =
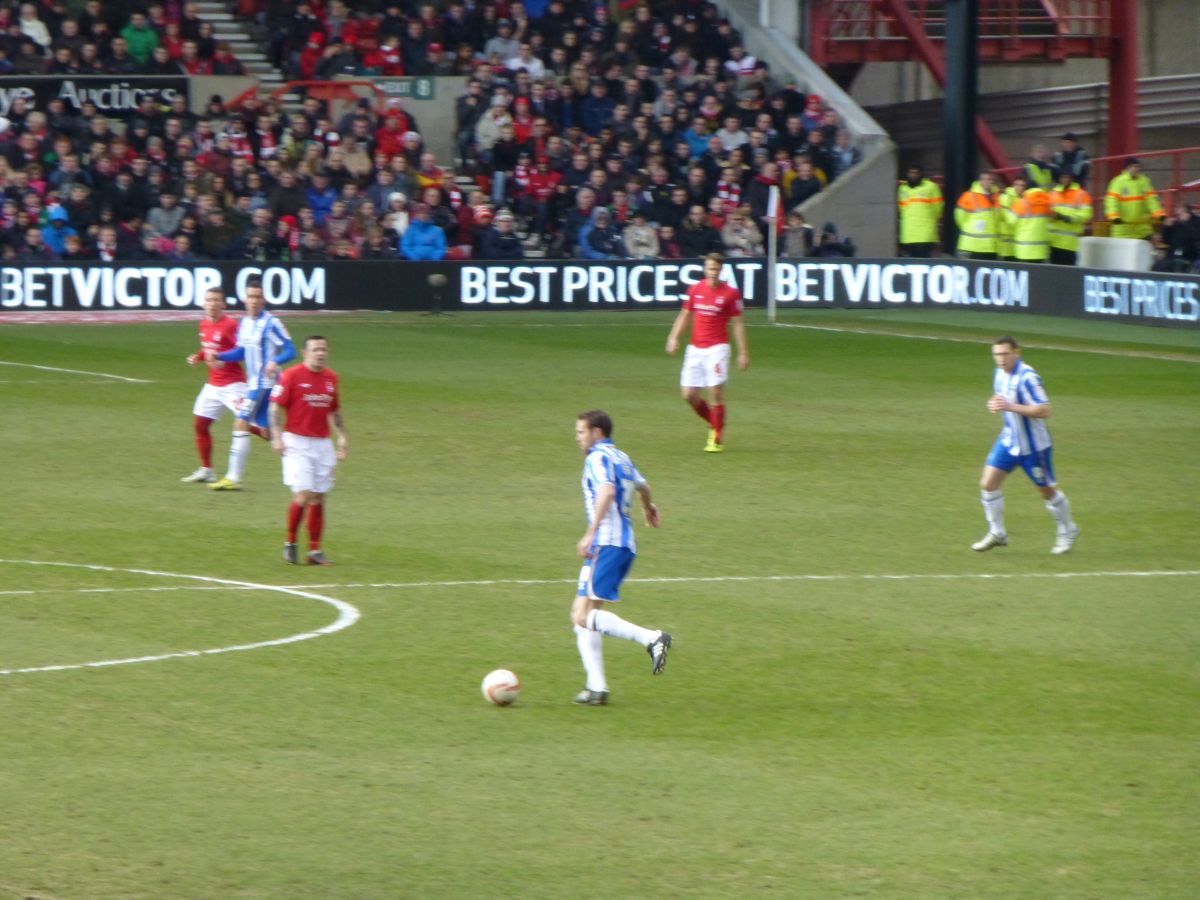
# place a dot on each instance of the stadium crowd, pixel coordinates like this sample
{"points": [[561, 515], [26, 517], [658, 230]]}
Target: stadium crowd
{"points": [[648, 132]]}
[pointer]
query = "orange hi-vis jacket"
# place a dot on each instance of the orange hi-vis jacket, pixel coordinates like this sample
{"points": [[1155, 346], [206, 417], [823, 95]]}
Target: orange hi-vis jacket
{"points": [[1072, 209], [1030, 216], [976, 216]]}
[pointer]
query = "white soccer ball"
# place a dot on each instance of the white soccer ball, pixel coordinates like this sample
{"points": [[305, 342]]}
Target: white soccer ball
{"points": [[501, 687]]}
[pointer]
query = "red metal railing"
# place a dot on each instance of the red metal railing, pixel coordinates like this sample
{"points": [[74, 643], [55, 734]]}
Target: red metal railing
{"points": [[1009, 30], [1174, 173]]}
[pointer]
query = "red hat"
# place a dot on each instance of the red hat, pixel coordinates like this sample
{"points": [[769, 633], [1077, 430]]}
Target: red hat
{"points": [[435, 48], [814, 98]]}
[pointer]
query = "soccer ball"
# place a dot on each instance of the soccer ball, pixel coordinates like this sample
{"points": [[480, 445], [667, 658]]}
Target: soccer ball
{"points": [[501, 687]]}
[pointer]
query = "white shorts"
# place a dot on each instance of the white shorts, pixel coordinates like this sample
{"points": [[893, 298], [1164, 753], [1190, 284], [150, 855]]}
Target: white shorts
{"points": [[308, 463], [704, 368], [212, 399]]}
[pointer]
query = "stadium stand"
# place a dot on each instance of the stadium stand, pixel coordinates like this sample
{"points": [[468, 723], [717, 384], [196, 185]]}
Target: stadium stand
{"points": [[647, 113]]}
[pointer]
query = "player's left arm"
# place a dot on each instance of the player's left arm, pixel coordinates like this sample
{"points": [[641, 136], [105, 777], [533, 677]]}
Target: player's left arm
{"points": [[739, 338], [285, 354], [338, 426], [653, 518], [275, 420], [605, 495]]}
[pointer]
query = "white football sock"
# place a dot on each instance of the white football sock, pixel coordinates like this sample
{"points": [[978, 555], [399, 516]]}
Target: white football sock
{"points": [[993, 509], [603, 621], [591, 651], [1060, 508], [238, 451]]}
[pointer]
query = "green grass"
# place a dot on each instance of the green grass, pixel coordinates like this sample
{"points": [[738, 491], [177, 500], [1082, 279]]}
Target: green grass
{"points": [[1019, 736]]}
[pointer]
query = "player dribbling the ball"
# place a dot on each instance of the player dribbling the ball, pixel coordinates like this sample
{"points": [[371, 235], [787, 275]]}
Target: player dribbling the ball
{"points": [[610, 481]]}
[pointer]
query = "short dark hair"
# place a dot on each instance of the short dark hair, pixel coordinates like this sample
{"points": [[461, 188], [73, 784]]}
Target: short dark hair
{"points": [[254, 282], [1007, 339], [597, 418], [313, 337]]}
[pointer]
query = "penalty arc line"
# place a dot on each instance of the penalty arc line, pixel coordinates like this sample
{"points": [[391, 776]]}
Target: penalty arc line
{"points": [[108, 375], [347, 616]]}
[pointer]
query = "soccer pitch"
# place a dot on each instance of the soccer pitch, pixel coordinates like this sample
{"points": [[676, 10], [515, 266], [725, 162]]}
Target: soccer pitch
{"points": [[856, 704]]}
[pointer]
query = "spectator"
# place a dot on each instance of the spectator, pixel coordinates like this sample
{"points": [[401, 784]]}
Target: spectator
{"points": [[423, 240], [830, 244], [167, 216], [1181, 242], [640, 238], [844, 154], [140, 38], [805, 184], [668, 246], [502, 46], [697, 237], [798, 238], [579, 215], [224, 62], [499, 241], [34, 28], [376, 246], [57, 230], [740, 235], [600, 238]]}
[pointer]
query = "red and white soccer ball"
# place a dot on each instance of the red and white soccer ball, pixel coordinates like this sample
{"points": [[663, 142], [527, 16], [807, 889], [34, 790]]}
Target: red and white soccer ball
{"points": [[501, 687]]}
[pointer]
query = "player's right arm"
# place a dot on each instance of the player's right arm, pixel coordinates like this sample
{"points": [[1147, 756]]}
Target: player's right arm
{"points": [[605, 494], [677, 327]]}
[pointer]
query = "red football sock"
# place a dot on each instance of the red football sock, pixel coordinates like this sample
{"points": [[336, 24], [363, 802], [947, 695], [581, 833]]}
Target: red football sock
{"points": [[718, 420], [701, 408], [295, 515], [204, 440], [316, 522]]}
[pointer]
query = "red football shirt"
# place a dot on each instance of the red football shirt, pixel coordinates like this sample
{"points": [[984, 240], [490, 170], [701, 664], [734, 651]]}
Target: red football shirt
{"points": [[712, 308], [220, 336], [309, 397]]}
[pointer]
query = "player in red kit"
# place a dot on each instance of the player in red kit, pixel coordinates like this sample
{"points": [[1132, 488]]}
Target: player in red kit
{"points": [[226, 385], [307, 395], [713, 303]]}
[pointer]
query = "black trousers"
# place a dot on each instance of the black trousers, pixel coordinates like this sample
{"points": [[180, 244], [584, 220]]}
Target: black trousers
{"points": [[1062, 257]]}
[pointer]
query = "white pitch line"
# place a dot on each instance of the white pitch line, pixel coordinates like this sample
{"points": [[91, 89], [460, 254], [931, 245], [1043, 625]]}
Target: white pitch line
{"points": [[347, 616], [4, 362], [1136, 354], [687, 579]]}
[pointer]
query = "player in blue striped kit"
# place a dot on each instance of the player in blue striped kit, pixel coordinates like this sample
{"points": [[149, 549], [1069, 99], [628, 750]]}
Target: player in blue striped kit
{"points": [[610, 481], [1018, 394], [263, 345]]}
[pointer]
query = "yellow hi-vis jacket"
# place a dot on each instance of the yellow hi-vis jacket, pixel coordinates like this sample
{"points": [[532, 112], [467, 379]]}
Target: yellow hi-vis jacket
{"points": [[976, 216], [920, 212], [1004, 225], [1030, 218], [1072, 210], [1131, 204]]}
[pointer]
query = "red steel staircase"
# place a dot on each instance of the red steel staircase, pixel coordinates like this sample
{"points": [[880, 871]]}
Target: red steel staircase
{"points": [[846, 34]]}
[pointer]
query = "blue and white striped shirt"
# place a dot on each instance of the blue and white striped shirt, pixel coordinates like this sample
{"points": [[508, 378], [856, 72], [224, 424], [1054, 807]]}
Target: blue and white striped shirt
{"points": [[605, 464], [259, 341], [1022, 435]]}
